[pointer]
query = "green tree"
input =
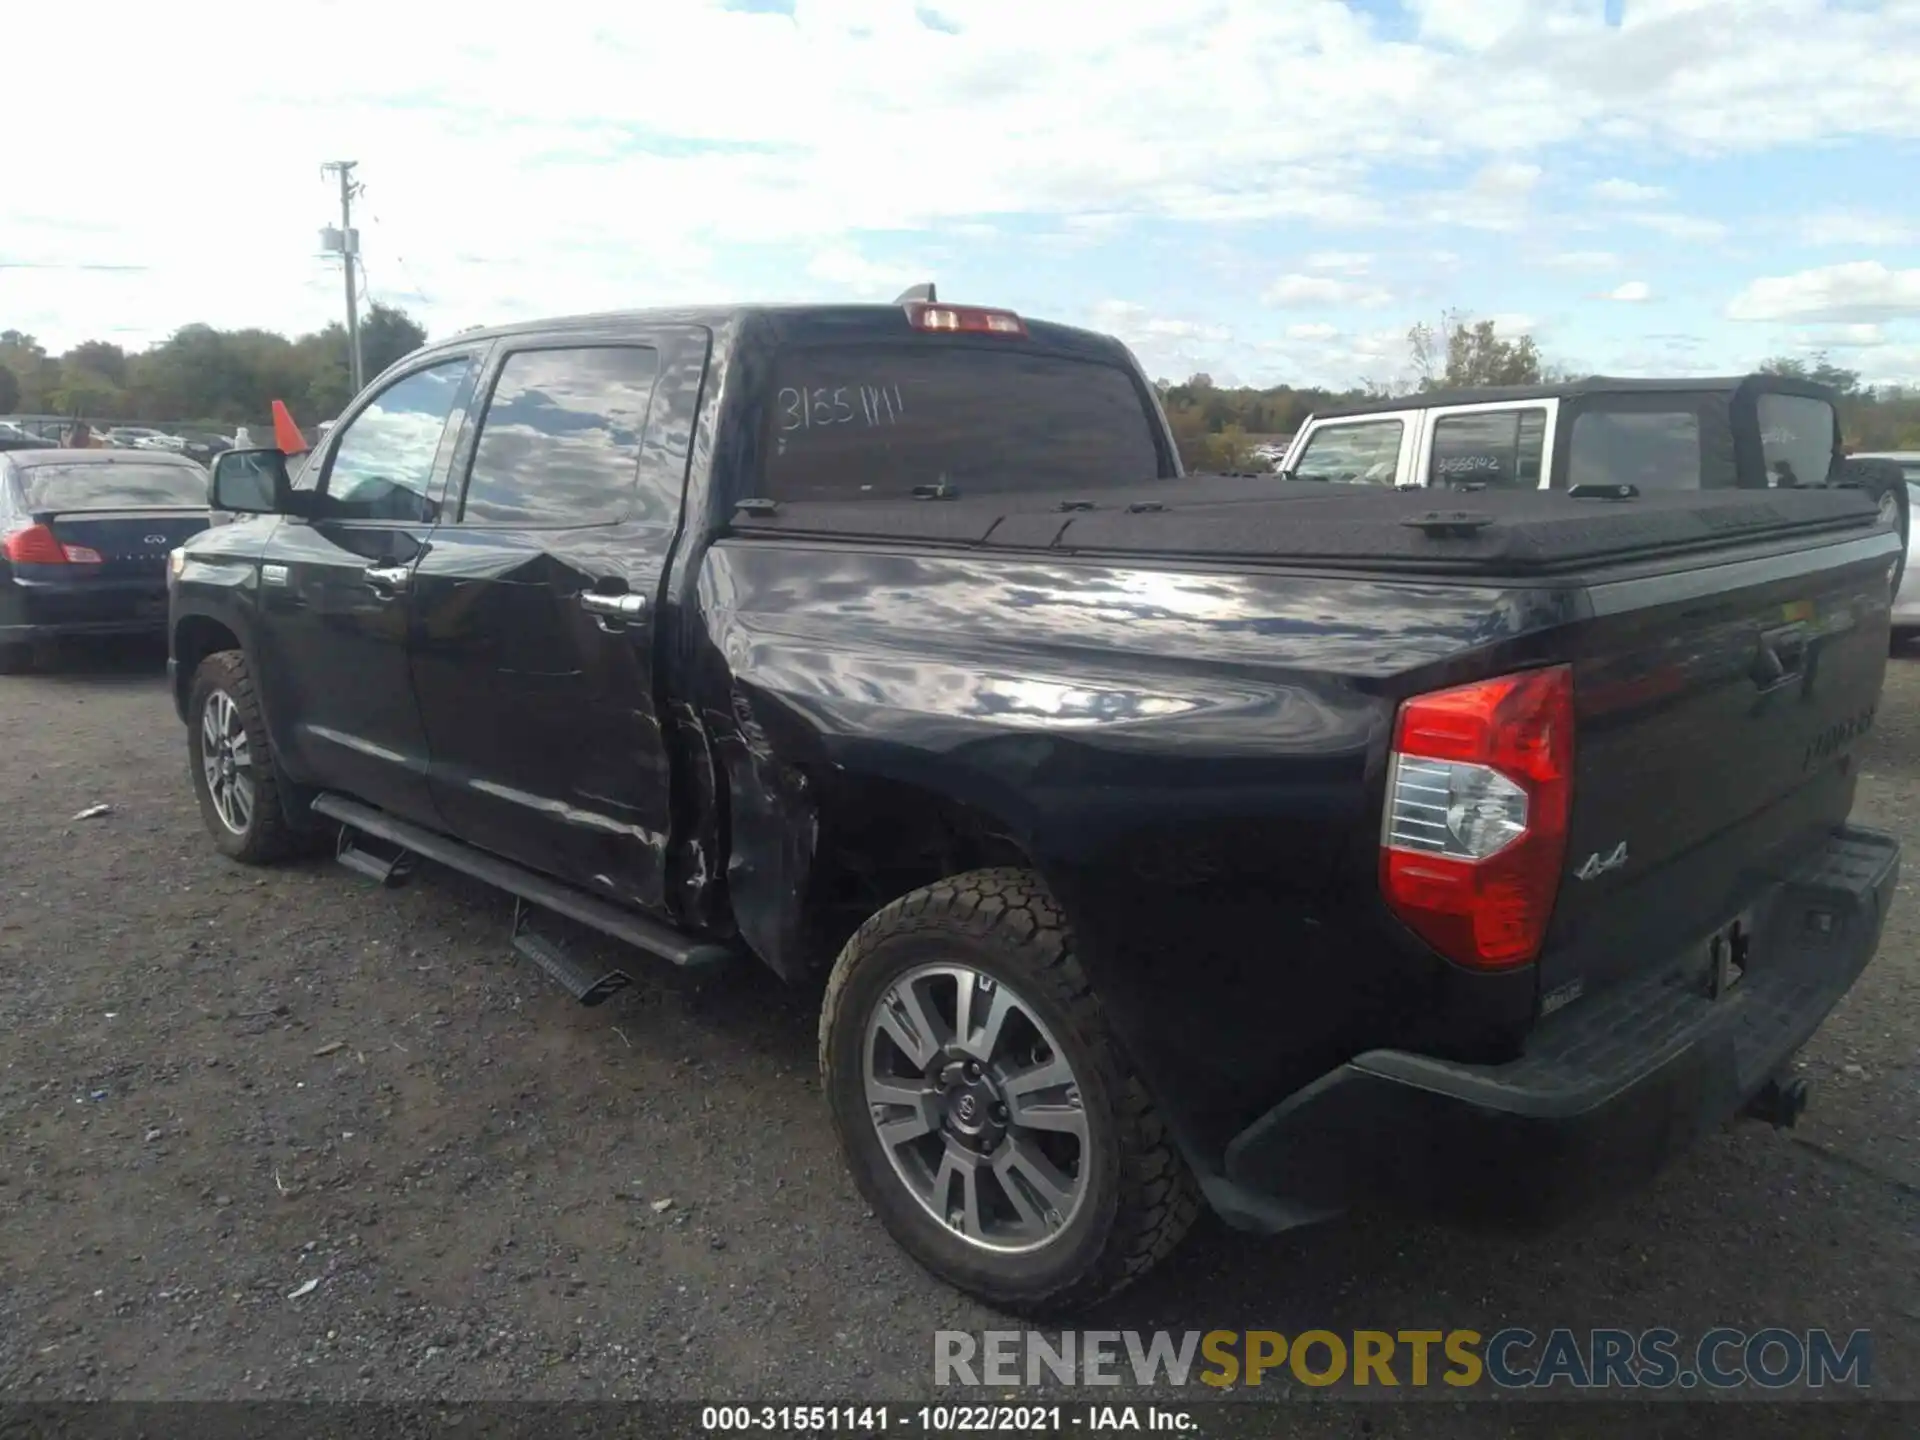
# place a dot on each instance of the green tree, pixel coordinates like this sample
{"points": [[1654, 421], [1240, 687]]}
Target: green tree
{"points": [[1464, 355], [32, 367], [9, 391], [387, 335], [1817, 368], [98, 357]]}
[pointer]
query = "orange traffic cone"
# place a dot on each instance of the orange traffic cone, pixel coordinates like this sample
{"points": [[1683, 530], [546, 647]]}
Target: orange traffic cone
{"points": [[286, 434]]}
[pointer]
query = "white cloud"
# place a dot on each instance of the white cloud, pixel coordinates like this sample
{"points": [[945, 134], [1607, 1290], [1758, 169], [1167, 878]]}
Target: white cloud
{"points": [[1302, 291], [1694, 228], [1507, 177], [1343, 262], [1864, 291], [1634, 292], [1844, 337], [1627, 192], [1584, 260], [844, 271], [1314, 331], [1131, 320], [1844, 228]]}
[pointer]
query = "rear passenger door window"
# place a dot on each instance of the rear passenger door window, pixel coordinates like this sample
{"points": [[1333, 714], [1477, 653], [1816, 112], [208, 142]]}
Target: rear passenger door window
{"points": [[559, 444], [1490, 449], [1363, 452]]}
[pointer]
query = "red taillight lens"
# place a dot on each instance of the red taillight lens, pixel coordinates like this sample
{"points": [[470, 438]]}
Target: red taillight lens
{"points": [[964, 319], [37, 545], [1475, 830]]}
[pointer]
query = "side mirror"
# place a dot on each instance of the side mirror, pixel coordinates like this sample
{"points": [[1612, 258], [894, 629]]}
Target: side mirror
{"points": [[251, 482]]}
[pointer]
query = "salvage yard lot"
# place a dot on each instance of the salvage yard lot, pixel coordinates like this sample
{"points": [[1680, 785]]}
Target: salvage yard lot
{"points": [[218, 1085]]}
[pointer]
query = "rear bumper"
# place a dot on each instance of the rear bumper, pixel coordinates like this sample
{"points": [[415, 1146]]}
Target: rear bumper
{"points": [[51, 609], [1608, 1091]]}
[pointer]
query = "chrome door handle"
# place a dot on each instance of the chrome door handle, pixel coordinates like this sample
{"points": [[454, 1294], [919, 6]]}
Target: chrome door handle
{"points": [[625, 607], [387, 578]]}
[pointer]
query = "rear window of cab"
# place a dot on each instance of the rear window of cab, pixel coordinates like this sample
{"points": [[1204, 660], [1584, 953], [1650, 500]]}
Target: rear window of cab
{"points": [[880, 421]]}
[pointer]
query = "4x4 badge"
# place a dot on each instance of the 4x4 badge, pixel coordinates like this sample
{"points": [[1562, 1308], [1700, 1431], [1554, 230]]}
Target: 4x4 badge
{"points": [[1597, 864]]}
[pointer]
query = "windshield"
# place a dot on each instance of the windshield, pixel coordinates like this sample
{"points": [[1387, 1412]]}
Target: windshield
{"points": [[112, 487], [857, 422]]}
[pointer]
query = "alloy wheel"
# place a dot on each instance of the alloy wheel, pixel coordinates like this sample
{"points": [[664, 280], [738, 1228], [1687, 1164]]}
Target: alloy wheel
{"points": [[226, 759], [975, 1103]]}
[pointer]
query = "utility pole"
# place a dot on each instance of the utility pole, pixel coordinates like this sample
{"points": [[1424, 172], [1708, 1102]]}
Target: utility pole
{"points": [[349, 248]]}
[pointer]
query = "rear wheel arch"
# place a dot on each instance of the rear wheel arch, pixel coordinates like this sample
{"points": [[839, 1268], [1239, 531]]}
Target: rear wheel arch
{"points": [[872, 840]]}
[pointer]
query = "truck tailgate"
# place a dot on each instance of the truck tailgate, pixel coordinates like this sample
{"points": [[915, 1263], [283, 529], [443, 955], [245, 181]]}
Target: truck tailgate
{"points": [[1717, 710]]}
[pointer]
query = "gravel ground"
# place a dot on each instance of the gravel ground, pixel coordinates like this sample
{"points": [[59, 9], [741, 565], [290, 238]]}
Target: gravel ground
{"points": [[223, 1089]]}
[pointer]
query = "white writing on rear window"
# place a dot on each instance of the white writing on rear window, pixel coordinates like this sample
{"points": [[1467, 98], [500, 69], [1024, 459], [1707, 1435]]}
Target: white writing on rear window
{"points": [[821, 406], [1467, 464]]}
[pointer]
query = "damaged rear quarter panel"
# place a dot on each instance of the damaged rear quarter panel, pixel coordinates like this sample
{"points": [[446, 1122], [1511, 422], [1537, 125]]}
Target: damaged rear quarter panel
{"points": [[1190, 759]]}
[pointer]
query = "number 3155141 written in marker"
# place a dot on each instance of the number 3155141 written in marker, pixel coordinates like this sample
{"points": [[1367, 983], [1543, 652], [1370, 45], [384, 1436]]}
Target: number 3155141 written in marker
{"points": [[825, 405]]}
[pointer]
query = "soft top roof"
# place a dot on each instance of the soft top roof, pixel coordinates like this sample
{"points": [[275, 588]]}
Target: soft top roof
{"points": [[1592, 385]]}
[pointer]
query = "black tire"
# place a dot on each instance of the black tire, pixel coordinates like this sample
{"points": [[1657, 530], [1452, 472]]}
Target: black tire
{"points": [[267, 834], [1884, 481], [1139, 1198], [16, 659]]}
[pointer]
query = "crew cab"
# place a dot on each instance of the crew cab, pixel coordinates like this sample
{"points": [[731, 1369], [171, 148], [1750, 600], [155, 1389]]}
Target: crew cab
{"points": [[1158, 838]]}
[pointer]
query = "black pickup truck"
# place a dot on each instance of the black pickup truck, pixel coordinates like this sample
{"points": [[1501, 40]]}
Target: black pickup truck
{"points": [[1157, 837]]}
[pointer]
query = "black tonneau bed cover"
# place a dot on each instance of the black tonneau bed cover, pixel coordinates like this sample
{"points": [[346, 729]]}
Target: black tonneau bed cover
{"points": [[1493, 533]]}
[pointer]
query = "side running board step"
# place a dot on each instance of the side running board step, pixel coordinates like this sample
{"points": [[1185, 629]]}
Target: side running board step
{"points": [[589, 910], [390, 871], [579, 980]]}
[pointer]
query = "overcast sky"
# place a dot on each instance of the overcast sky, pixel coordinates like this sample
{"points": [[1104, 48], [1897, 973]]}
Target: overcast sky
{"points": [[1263, 189]]}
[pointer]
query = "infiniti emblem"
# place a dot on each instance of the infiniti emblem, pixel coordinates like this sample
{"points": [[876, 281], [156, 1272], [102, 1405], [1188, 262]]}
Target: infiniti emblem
{"points": [[156, 539]]}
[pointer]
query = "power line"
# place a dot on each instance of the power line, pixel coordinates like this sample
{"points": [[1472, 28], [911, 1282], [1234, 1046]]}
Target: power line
{"points": [[398, 259]]}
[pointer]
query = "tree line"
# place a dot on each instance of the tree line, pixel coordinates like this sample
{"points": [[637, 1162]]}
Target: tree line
{"points": [[200, 377], [216, 379]]}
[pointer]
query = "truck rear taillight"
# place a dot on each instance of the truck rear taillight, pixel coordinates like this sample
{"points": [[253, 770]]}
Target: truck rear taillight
{"points": [[38, 545], [1475, 830], [964, 319]]}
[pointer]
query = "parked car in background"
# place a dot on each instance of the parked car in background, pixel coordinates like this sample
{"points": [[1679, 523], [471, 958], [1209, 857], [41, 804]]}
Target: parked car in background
{"points": [[13, 437], [1158, 837], [124, 437], [84, 539], [1906, 604], [1753, 432], [203, 445]]}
